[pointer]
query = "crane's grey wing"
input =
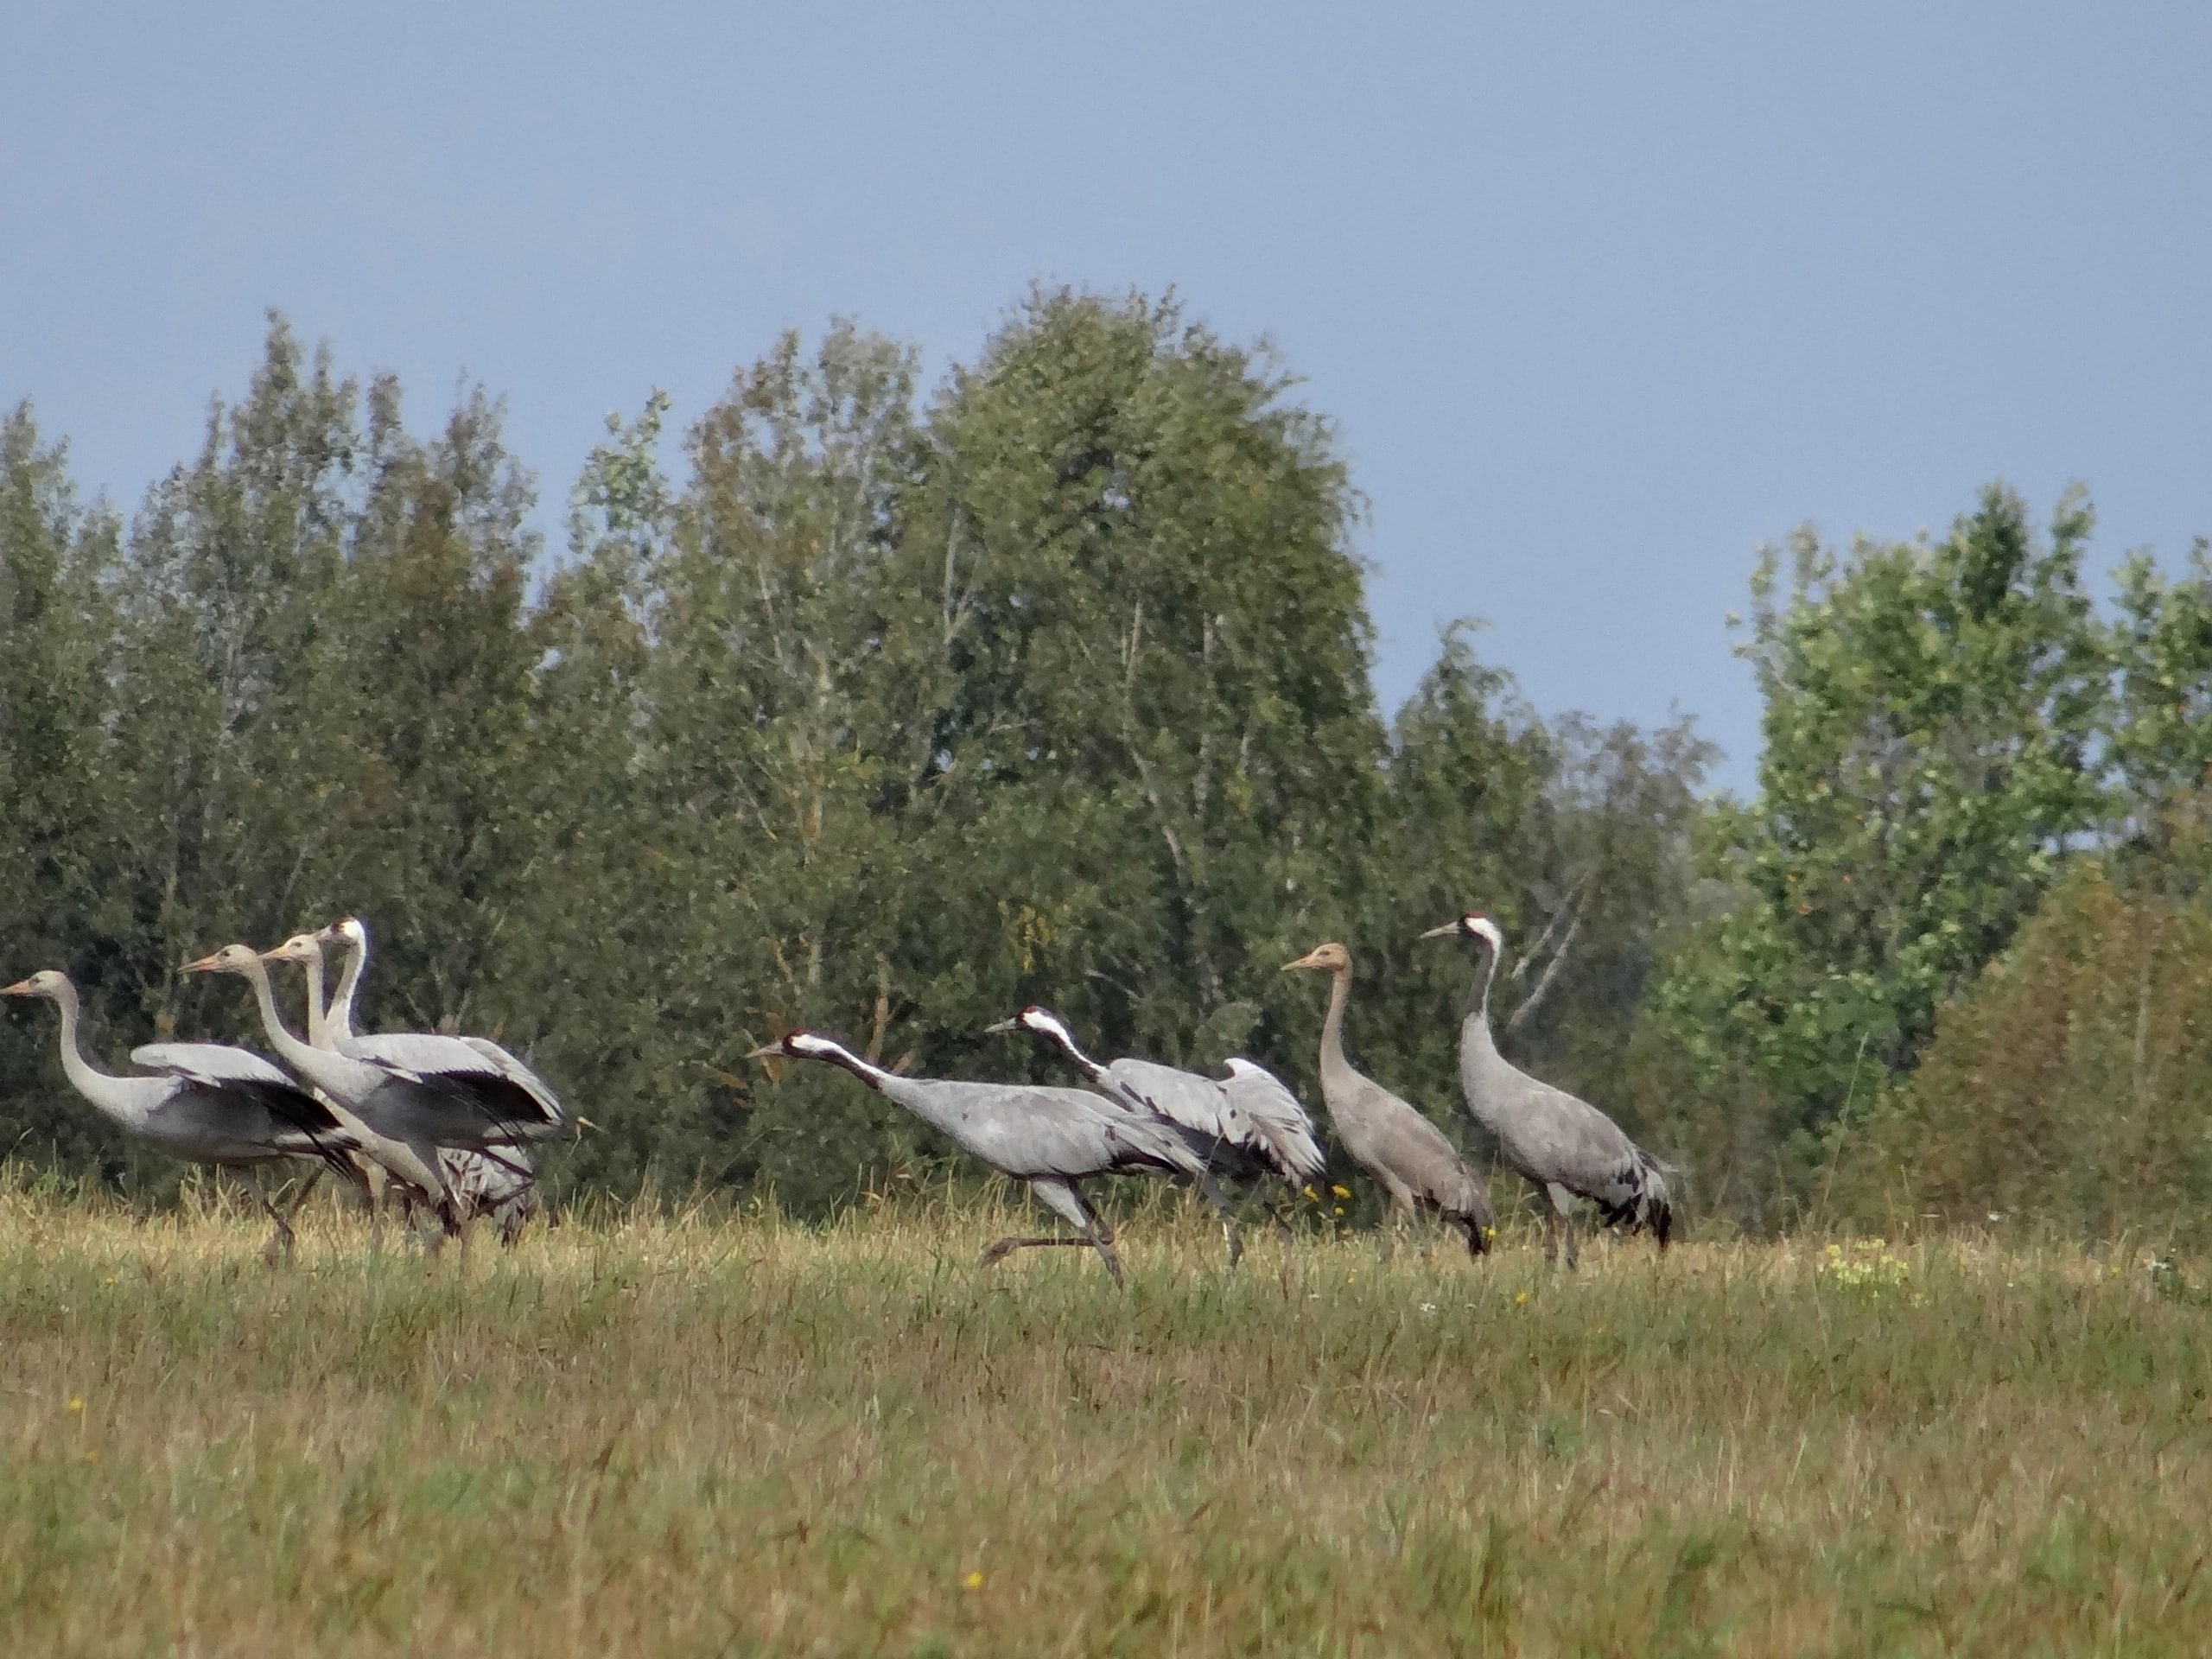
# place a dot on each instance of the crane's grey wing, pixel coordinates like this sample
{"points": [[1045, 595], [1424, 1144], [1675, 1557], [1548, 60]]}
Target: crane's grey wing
{"points": [[1279, 1119], [1422, 1155], [521, 1076], [210, 1064], [227, 1105], [419, 1054], [1566, 1139], [209, 1069], [1183, 1097], [498, 1083], [245, 1123], [1032, 1131]]}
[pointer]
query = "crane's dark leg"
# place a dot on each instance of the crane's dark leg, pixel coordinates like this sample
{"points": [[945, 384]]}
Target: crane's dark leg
{"points": [[429, 1175], [1562, 1204], [1062, 1199], [1550, 1217], [279, 1246], [307, 1185], [1212, 1190]]}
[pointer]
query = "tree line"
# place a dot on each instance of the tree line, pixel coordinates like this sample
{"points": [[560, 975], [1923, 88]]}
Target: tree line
{"points": [[893, 707]]}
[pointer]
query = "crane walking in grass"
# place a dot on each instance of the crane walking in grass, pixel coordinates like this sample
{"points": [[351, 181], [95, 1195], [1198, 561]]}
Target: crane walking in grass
{"points": [[423, 1092], [503, 1184], [1249, 1127], [207, 1103], [1054, 1139], [1563, 1147], [1417, 1166]]}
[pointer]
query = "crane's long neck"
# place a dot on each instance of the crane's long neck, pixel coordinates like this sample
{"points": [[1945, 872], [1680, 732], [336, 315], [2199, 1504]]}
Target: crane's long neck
{"points": [[1479, 989], [1336, 1070], [1475, 1039], [338, 1023], [350, 1082], [838, 1055], [280, 1038], [1065, 1041], [109, 1094], [917, 1097], [318, 1019]]}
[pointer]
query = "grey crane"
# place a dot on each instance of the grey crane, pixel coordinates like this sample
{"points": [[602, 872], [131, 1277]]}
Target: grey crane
{"points": [[1054, 1139], [502, 1184], [1279, 1118], [1563, 1147], [1418, 1166], [206, 1103], [423, 1092], [1250, 1125]]}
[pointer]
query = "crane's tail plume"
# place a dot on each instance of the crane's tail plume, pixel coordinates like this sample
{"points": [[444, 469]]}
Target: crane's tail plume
{"points": [[1646, 1205]]}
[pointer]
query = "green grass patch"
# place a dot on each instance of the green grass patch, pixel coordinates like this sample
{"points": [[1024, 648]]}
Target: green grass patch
{"points": [[731, 1434]]}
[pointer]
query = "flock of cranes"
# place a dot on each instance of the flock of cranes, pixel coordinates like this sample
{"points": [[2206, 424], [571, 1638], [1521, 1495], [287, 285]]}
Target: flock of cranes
{"points": [[447, 1122], [1140, 1117]]}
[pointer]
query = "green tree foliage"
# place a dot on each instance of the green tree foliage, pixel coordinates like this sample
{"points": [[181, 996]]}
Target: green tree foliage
{"points": [[886, 710], [2160, 736], [1932, 718], [58, 775], [2070, 1088], [891, 713]]}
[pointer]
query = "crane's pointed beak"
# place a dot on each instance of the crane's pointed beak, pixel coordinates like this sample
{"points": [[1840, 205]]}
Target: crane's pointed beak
{"points": [[1445, 931], [203, 965], [1002, 1029], [1303, 962], [20, 987], [767, 1051]]}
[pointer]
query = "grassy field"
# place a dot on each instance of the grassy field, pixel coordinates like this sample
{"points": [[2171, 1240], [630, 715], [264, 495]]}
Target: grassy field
{"points": [[735, 1435]]}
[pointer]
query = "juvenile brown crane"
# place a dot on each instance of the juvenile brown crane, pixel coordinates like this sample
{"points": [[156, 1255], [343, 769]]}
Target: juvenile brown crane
{"points": [[1417, 1166]]}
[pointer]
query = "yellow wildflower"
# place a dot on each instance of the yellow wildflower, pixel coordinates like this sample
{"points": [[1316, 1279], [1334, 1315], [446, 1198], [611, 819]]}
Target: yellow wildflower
{"points": [[1340, 1192], [76, 1403], [975, 1580]]}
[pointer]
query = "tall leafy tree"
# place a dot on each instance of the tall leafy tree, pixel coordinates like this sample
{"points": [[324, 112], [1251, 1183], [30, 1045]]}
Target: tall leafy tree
{"points": [[58, 779], [223, 729], [2160, 739], [1931, 717], [1159, 743], [421, 812]]}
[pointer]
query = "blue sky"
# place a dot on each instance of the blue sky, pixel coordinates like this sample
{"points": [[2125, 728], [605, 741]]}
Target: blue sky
{"points": [[1601, 297]]}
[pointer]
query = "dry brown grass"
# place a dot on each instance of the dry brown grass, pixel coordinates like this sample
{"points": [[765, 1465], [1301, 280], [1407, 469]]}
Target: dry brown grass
{"points": [[728, 1434]]}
